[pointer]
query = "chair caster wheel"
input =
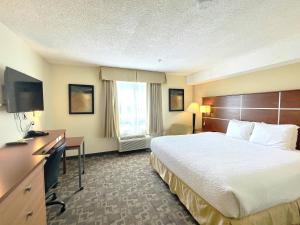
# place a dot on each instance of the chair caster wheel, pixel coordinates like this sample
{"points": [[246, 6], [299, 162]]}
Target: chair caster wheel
{"points": [[54, 197], [62, 209]]}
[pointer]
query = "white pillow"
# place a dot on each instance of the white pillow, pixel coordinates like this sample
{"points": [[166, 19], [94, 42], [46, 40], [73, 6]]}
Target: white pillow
{"points": [[240, 129], [277, 136], [295, 137]]}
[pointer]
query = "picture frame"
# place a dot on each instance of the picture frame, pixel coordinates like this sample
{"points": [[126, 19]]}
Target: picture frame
{"points": [[176, 100], [81, 99]]}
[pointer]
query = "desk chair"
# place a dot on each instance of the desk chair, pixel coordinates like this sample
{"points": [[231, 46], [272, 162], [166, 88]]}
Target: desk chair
{"points": [[51, 172]]}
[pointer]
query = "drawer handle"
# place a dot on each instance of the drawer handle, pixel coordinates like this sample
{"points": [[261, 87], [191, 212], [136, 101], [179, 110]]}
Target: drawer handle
{"points": [[29, 214], [28, 188]]}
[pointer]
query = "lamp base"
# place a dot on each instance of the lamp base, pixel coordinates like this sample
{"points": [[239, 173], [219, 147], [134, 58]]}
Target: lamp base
{"points": [[194, 122]]}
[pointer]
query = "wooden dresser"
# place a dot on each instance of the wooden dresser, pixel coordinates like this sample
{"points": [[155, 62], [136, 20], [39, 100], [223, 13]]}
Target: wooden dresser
{"points": [[22, 191]]}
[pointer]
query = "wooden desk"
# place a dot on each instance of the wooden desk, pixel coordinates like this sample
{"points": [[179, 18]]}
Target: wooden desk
{"points": [[71, 144], [22, 196]]}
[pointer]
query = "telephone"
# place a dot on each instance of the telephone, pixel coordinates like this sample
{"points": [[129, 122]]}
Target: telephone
{"points": [[33, 133]]}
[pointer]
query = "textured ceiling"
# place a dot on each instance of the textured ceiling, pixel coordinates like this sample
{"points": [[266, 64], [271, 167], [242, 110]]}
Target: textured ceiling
{"points": [[187, 35]]}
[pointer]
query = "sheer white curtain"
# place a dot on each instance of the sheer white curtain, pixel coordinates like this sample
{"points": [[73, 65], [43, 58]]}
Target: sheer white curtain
{"points": [[132, 105]]}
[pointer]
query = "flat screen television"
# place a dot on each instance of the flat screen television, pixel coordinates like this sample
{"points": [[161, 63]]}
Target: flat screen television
{"points": [[22, 92]]}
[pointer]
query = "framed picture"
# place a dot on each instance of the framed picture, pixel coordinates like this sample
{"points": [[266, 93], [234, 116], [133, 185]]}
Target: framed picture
{"points": [[81, 99], [176, 100]]}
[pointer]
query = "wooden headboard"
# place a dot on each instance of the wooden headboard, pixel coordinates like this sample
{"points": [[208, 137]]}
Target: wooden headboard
{"points": [[281, 107]]}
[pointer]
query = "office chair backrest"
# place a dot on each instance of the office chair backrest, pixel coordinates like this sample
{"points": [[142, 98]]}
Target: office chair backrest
{"points": [[51, 168]]}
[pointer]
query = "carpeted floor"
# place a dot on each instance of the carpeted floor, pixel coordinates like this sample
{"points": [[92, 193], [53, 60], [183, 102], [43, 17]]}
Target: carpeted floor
{"points": [[119, 189]]}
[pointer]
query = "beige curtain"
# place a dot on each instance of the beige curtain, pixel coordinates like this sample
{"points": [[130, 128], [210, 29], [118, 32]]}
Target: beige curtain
{"points": [[120, 74], [155, 110], [111, 109]]}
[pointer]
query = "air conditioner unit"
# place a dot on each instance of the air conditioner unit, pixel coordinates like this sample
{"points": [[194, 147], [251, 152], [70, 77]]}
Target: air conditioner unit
{"points": [[132, 143]]}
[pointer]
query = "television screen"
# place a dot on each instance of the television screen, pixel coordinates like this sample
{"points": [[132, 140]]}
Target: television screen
{"points": [[22, 92]]}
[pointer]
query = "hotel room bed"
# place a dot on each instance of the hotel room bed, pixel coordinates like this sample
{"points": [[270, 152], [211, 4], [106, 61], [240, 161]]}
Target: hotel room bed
{"points": [[222, 180]]}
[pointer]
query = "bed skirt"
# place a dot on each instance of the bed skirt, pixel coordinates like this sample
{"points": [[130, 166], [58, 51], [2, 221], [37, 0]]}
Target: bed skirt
{"points": [[205, 214]]}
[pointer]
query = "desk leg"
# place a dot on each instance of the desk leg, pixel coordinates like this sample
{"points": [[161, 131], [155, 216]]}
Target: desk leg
{"points": [[79, 168], [64, 163], [83, 162]]}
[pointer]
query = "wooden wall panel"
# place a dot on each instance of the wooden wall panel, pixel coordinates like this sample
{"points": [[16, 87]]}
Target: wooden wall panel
{"points": [[261, 100], [257, 107], [208, 101], [260, 115], [290, 117], [290, 99], [225, 113], [215, 125], [223, 101]]}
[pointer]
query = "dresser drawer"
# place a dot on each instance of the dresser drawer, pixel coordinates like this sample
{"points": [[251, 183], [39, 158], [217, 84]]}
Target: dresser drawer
{"points": [[26, 204], [33, 213]]}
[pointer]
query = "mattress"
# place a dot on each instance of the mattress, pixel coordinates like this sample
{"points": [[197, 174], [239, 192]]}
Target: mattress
{"points": [[236, 177]]}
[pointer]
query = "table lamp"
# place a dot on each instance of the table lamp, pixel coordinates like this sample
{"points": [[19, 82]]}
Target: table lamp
{"points": [[194, 108], [205, 109]]}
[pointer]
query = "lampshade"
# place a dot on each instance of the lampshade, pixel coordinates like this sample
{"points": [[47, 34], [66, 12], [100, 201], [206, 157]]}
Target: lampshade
{"points": [[205, 108], [193, 107]]}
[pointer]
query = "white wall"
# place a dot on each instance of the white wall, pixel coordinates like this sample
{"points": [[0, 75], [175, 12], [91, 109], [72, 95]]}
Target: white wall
{"points": [[88, 125], [91, 126], [176, 117], [15, 53], [276, 79]]}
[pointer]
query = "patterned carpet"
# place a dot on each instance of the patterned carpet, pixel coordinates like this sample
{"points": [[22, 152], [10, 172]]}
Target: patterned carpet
{"points": [[119, 189]]}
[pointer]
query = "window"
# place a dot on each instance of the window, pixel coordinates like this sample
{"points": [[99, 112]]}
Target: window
{"points": [[132, 105]]}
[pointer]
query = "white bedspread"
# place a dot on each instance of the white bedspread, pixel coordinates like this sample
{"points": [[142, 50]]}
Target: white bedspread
{"points": [[236, 177]]}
